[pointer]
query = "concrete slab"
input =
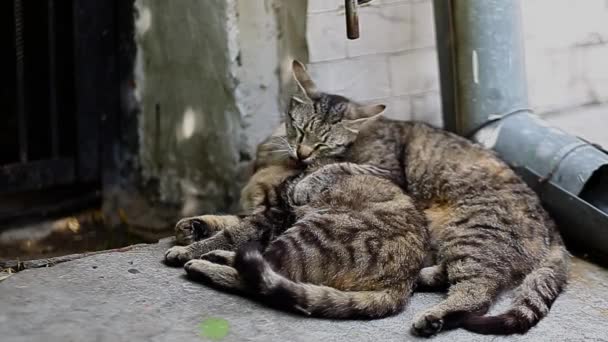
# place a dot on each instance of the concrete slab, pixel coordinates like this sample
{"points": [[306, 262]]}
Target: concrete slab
{"points": [[132, 296]]}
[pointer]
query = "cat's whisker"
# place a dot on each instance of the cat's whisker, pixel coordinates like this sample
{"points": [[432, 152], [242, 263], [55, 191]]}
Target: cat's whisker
{"points": [[276, 143]]}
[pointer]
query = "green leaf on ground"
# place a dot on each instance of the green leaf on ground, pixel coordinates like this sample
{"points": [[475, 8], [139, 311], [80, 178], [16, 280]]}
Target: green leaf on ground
{"points": [[214, 328]]}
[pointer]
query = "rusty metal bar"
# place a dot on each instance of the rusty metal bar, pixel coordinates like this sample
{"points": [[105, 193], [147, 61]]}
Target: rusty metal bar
{"points": [[20, 89], [54, 124], [352, 19], [36, 175]]}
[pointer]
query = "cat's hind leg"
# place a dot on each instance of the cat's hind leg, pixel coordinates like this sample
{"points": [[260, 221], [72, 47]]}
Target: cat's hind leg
{"points": [[216, 275], [431, 279], [472, 295]]}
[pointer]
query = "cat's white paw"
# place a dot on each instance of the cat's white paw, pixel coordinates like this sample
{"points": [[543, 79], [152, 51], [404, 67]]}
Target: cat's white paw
{"points": [[303, 191], [196, 266], [178, 255], [299, 196], [220, 257]]}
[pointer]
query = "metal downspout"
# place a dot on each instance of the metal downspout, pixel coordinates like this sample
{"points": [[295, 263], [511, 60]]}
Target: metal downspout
{"points": [[484, 96]]}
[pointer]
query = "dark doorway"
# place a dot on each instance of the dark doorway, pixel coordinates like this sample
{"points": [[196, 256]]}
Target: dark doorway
{"points": [[58, 95]]}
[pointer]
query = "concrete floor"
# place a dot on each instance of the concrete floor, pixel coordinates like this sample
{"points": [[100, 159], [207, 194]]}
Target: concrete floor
{"points": [[132, 296]]}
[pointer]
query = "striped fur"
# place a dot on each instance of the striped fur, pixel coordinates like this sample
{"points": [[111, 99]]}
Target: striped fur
{"points": [[339, 239], [317, 300], [488, 229], [353, 251], [536, 294]]}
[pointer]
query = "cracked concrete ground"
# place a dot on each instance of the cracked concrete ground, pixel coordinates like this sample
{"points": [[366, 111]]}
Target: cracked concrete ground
{"points": [[133, 296]]}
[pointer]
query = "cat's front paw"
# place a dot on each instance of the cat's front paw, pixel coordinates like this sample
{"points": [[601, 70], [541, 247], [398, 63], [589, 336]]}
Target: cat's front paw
{"points": [[300, 195], [304, 190], [193, 229], [178, 255]]}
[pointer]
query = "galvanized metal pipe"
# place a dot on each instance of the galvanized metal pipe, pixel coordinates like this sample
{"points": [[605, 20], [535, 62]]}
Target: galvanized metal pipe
{"points": [[565, 171], [484, 95], [481, 60]]}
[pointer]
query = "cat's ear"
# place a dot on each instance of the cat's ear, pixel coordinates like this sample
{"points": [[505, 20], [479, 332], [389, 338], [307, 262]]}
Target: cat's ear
{"points": [[296, 101], [357, 125], [368, 111], [303, 80]]}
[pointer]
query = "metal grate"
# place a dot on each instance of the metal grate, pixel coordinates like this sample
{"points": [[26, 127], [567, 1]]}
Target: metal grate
{"points": [[58, 98], [38, 144], [50, 134]]}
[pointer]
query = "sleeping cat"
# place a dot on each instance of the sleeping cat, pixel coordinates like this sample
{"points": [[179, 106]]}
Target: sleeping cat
{"points": [[353, 251], [488, 229]]}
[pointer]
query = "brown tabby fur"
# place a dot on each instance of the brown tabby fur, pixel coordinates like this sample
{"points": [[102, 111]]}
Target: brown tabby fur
{"points": [[488, 229], [352, 251]]}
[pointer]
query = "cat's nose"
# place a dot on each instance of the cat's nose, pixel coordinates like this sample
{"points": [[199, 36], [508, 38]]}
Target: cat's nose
{"points": [[304, 152]]}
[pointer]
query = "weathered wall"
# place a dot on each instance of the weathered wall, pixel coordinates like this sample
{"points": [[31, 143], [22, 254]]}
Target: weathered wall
{"points": [[567, 52], [258, 84], [394, 61], [292, 43], [270, 34], [211, 78], [205, 90], [189, 123]]}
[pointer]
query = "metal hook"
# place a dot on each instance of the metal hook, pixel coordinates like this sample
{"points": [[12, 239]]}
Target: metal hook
{"points": [[352, 19]]}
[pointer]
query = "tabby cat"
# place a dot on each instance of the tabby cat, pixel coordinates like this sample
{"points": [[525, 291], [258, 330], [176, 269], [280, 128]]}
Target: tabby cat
{"points": [[353, 251], [488, 229]]}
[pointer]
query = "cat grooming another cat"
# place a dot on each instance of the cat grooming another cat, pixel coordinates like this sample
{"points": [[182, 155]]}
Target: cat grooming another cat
{"points": [[352, 251], [488, 231]]}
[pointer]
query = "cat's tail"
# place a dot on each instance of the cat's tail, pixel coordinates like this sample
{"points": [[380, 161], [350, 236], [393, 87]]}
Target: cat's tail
{"points": [[534, 298], [314, 300]]}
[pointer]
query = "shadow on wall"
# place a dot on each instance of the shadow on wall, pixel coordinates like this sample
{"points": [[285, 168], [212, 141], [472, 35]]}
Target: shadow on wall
{"points": [[206, 85]]}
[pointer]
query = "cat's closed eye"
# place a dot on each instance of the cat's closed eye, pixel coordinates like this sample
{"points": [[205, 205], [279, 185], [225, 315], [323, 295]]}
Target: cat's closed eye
{"points": [[339, 107]]}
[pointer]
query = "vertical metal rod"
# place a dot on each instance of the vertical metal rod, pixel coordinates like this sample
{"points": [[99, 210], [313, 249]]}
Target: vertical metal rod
{"points": [[352, 19], [481, 59], [52, 79], [21, 112]]}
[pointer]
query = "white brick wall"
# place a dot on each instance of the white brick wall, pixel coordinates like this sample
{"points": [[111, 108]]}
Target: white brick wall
{"points": [[567, 52], [362, 78], [389, 31], [394, 62]]}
